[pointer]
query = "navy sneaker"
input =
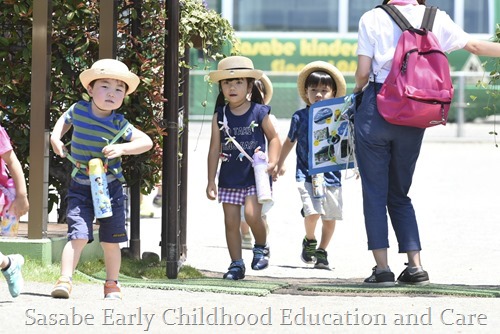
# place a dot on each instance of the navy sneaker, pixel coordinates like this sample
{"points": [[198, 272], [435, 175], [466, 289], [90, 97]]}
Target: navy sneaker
{"points": [[321, 259], [235, 272], [308, 250], [418, 278], [383, 279], [260, 257]]}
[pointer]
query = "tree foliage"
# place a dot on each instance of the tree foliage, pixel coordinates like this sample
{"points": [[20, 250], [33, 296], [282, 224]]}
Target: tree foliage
{"points": [[75, 46], [492, 86]]}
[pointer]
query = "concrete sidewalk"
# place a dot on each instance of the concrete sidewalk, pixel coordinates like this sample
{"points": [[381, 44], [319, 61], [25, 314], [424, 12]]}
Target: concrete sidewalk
{"points": [[455, 193], [161, 311]]}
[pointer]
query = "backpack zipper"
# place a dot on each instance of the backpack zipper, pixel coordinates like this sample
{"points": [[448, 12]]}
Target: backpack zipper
{"points": [[433, 102], [404, 66]]}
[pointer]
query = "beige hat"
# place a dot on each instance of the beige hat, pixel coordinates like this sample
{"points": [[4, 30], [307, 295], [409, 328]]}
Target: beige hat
{"points": [[110, 69], [268, 87], [235, 67], [322, 66]]}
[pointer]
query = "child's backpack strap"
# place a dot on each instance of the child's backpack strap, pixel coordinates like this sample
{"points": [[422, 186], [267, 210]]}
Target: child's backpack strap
{"points": [[79, 167], [429, 16], [225, 127], [396, 15], [83, 167]]}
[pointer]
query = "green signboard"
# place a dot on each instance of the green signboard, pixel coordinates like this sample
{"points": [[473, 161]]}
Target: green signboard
{"points": [[283, 58], [291, 54]]}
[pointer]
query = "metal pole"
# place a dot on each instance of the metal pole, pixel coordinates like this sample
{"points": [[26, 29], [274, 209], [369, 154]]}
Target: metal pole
{"points": [[461, 104], [135, 188], [184, 158], [170, 208], [108, 17], [39, 119]]}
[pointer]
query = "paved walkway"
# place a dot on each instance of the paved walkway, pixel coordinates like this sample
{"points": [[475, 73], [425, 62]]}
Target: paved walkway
{"points": [[455, 193]]}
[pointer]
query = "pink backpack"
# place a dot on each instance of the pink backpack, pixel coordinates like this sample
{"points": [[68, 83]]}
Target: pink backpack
{"points": [[418, 90]]}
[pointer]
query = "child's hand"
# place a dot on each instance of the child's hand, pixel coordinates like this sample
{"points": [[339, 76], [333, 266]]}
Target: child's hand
{"points": [[20, 206], [271, 166], [281, 170], [274, 173], [59, 147], [113, 151], [211, 191]]}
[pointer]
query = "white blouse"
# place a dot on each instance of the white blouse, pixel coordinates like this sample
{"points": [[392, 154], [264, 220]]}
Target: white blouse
{"points": [[378, 36]]}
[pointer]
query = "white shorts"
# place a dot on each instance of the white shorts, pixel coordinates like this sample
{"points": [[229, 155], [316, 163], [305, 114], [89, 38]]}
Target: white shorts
{"points": [[329, 206]]}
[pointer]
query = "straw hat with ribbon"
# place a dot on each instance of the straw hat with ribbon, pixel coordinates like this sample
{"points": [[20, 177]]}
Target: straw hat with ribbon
{"points": [[110, 69], [323, 67], [234, 67]]}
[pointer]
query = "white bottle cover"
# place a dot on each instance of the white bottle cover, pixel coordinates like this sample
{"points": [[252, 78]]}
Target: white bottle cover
{"points": [[262, 177]]}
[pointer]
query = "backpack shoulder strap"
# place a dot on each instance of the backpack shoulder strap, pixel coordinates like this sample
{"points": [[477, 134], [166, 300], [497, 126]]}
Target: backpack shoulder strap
{"points": [[118, 135], [81, 167], [429, 16], [396, 15]]}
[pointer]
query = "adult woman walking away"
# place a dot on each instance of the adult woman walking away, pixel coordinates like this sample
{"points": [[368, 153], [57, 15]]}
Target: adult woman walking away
{"points": [[387, 153]]}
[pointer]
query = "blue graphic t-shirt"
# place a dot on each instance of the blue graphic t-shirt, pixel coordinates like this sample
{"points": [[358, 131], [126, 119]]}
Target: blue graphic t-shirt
{"points": [[236, 170], [299, 132]]}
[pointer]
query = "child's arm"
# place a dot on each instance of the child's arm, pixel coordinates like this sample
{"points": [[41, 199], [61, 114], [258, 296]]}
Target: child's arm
{"points": [[273, 144], [285, 150], [59, 130], [139, 143], [20, 205], [213, 159]]}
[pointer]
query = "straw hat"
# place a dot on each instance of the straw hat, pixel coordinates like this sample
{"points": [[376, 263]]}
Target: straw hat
{"points": [[110, 69], [235, 67], [268, 87], [323, 67]]}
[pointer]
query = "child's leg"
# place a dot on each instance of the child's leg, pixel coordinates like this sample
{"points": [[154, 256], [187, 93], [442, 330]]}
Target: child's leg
{"points": [[112, 260], [244, 227], [79, 216], [246, 236], [310, 226], [69, 260], [326, 233], [71, 255], [309, 243], [4, 260], [112, 232], [232, 221], [253, 216]]}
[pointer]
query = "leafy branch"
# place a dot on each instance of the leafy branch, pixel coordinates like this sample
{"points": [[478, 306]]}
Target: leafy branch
{"points": [[204, 29]]}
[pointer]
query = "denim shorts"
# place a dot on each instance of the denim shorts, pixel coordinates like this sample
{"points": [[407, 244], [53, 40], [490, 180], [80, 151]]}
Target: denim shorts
{"points": [[80, 214]]}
